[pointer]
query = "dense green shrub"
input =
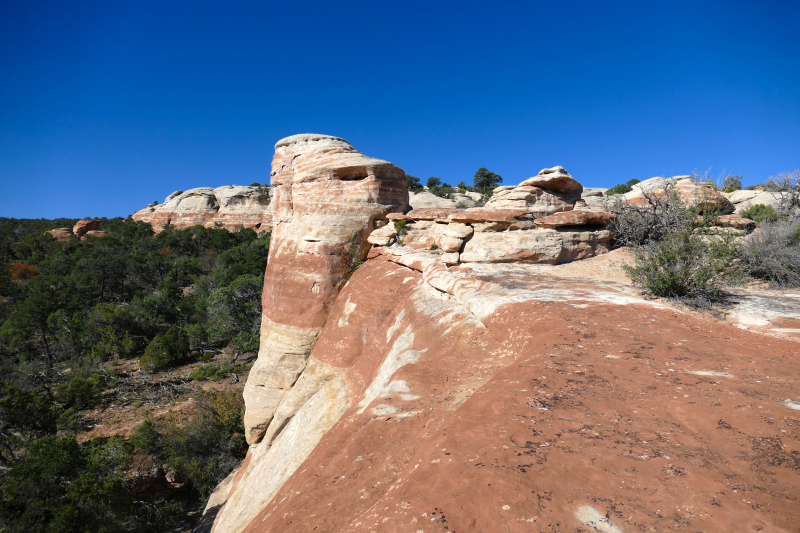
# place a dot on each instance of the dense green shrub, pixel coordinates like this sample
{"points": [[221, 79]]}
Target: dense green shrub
{"points": [[62, 486], [208, 447], [234, 313], [622, 188], [79, 392], [685, 266], [772, 253], [760, 213], [165, 350], [413, 183]]}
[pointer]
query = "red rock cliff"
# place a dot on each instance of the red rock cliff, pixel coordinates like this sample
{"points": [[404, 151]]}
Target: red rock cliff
{"points": [[327, 196]]}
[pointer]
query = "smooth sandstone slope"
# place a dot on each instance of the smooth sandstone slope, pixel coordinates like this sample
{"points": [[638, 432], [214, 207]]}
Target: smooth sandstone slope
{"points": [[492, 397]]}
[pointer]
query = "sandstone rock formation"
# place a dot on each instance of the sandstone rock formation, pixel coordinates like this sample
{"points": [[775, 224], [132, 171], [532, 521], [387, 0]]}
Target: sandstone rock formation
{"points": [[689, 191], [553, 190], [84, 226], [527, 223], [82, 229], [492, 397], [94, 233], [60, 234], [453, 384], [743, 200], [232, 207], [425, 200], [326, 200]]}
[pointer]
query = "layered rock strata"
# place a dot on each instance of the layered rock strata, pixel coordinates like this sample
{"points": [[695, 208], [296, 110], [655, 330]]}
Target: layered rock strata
{"points": [[232, 207], [327, 196], [536, 222]]}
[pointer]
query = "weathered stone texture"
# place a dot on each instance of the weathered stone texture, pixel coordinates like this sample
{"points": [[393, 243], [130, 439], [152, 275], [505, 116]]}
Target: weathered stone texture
{"points": [[327, 196]]}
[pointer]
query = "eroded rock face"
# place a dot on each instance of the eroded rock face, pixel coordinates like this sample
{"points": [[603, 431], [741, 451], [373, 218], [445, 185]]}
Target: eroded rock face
{"points": [[60, 234], [232, 207], [84, 226], [327, 196]]}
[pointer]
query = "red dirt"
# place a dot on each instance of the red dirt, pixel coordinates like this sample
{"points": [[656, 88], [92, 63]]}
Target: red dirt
{"points": [[554, 426]]}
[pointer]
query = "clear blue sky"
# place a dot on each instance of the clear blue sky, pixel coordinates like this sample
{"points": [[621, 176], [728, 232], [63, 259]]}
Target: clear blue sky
{"points": [[107, 106]]}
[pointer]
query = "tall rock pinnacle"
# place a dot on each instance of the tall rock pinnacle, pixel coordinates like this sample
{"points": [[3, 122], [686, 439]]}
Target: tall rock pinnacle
{"points": [[327, 196]]}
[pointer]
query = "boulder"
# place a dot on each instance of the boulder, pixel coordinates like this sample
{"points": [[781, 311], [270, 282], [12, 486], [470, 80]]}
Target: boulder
{"points": [[534, 200], [576, 218], [85, 225], [425, 199], [593, 191], [554, 179], [327, 196], [94, 233], [548, 246], [736, 221], [447, 237], [383, 236], [60, 234], [744, 200], [463, 201]]}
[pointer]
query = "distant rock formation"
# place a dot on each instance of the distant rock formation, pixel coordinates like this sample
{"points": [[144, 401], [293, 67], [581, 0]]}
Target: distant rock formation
{"points": [[60, 234], [743, 200], [232, 207], [83, 228], [706, 198], [426, 199]]}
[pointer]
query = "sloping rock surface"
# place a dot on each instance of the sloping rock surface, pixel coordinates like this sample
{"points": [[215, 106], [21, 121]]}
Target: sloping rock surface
{"points": [[487, 398], [232, 207]]}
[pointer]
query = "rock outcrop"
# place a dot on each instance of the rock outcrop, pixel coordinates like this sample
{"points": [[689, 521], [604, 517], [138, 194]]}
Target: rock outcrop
{"points": [[453, 384], [84, 226], [744, 200], [551, 191], [327, 198], [232, 207], [535, 222], [706, 198], [492, 397], [60, 234], [82, 229]]}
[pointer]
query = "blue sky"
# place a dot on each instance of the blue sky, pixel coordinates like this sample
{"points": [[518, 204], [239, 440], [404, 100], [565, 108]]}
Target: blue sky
{"points": [[107, 106]]}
